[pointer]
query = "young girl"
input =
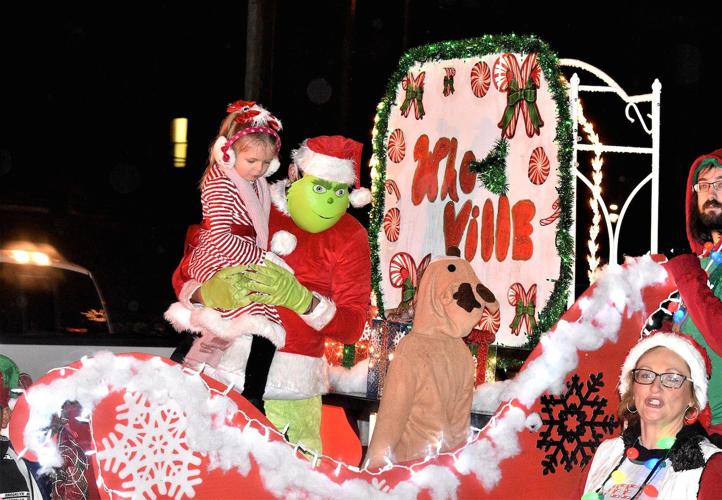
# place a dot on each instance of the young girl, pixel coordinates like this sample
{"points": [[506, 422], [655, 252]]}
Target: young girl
{"points": [[236, 202]]}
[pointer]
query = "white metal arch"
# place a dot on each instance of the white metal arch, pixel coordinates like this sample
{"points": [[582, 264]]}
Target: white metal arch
{"points": [[653, 130]]}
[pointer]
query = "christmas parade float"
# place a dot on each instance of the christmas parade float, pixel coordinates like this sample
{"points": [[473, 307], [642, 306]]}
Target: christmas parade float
{"points": [[473, 148]]}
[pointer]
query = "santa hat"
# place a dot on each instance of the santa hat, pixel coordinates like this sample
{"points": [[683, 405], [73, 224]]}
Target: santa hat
{"points": [[693, 354], [334, 158]]}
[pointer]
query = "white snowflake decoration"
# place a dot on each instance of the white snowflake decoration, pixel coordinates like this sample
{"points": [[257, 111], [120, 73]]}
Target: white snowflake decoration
{"points": [[152, 450]]}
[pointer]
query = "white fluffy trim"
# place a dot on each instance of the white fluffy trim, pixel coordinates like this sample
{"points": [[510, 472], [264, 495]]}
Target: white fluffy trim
{"points": [[278, 196], [273, 167], [295, 376], [323, 166], [283, 242], [349, 380], [206, 318], [322, 315], [179, 316], [359, 197]]}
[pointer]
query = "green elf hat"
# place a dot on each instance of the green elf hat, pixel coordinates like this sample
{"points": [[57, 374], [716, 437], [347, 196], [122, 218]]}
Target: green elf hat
{"points": [[709, 162], [9, 379]]}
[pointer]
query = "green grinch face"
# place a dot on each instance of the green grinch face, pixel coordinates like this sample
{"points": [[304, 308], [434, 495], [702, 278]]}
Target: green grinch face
{"points": [[316, 204]]}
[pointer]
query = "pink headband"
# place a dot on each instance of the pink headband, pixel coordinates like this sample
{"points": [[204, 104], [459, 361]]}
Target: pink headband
{"points": [[246, 131]]}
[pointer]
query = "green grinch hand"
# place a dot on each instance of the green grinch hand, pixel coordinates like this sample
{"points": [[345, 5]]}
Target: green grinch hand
{"points": [[272, 284], [225, 290]]}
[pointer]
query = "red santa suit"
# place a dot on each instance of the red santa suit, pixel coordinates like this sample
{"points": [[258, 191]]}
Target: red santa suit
{"points": [[335, 265]]}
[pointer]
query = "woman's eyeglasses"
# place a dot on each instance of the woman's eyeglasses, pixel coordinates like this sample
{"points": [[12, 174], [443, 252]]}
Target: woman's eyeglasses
{"points": [[669, 380]]}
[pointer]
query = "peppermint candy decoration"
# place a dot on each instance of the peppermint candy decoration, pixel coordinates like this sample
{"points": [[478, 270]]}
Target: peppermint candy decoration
{"points": [[490, 321], [401, 267], [392, 224], [538, 166], [396, 147], [480, 79]]}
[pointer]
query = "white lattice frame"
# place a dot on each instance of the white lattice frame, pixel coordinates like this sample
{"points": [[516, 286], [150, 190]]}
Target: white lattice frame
{"points": [[653, 130]]}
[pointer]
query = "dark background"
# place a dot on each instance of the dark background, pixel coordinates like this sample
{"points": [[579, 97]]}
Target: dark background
{"points": [[87, 95]]}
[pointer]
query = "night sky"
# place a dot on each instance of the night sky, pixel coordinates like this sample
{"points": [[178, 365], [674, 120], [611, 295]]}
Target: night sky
{"points": [[87, 96]]}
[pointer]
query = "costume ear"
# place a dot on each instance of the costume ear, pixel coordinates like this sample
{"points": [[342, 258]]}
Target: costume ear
{"points": [[293, 173], [225, 157]]}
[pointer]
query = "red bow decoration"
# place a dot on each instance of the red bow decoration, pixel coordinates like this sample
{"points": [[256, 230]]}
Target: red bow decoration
{"points": [[521, 86], [253, 114], [525, 303]]}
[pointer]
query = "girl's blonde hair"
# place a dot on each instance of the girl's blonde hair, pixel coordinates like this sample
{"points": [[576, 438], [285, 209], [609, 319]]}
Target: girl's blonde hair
{"points": [[229, 127]]}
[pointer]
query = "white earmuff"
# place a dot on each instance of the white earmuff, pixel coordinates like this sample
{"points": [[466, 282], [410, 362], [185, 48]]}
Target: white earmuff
{"points": [[225, 158]]}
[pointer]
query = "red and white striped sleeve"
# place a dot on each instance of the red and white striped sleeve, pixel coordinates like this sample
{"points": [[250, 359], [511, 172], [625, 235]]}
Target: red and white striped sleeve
{"points": [[221, 202]]}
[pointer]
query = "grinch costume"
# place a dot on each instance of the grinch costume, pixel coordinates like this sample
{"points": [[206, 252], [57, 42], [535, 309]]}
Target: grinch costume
{"points": [[328, 294]]}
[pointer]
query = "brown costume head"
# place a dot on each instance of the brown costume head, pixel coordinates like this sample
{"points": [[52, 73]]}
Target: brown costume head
{"points": [[451, 299]]}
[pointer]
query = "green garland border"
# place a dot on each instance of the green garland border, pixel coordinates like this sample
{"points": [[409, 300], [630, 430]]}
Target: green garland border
{"points": [[471, 48]]}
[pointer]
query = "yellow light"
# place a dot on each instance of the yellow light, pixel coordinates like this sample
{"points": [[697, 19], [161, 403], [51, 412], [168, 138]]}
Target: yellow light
{"points": [[179, 130], [40, 258], [20, 256], [179, 137]]}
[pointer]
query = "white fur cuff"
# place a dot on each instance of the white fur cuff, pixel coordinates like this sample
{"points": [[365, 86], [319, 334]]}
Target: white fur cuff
{"points": [[295, 376], [322, 315]]}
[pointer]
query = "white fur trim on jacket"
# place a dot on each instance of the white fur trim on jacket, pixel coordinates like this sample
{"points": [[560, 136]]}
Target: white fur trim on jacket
{"points": [[205, 318], [283, 242], [278, 196], [322, 315], [295, 376], [323, 166], [359, 197]]}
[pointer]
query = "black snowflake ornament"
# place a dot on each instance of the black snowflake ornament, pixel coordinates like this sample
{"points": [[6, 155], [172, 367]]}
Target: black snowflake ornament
{"points": [[573, 424]]}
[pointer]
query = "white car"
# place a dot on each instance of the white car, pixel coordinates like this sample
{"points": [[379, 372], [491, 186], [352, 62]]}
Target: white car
{"points": [[52, 312]]}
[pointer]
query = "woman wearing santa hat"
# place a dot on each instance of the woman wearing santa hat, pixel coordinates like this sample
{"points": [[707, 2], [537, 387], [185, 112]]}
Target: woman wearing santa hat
{"points": [[664, 451]]}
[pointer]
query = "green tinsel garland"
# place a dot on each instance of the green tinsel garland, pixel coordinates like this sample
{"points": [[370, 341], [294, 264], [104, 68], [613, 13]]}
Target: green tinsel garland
{"points": [[478, 47], [492, 169]]}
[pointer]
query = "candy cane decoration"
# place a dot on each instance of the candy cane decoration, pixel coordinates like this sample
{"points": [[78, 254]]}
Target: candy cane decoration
{"points": [[414, 88], [449, 81], [521, 86], [525, 308], [557, 212], [393, 188], [401, 268]]}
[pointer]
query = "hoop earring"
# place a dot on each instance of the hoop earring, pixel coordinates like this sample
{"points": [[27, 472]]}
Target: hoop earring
{"points": [[630, 411], [692, 419]]}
